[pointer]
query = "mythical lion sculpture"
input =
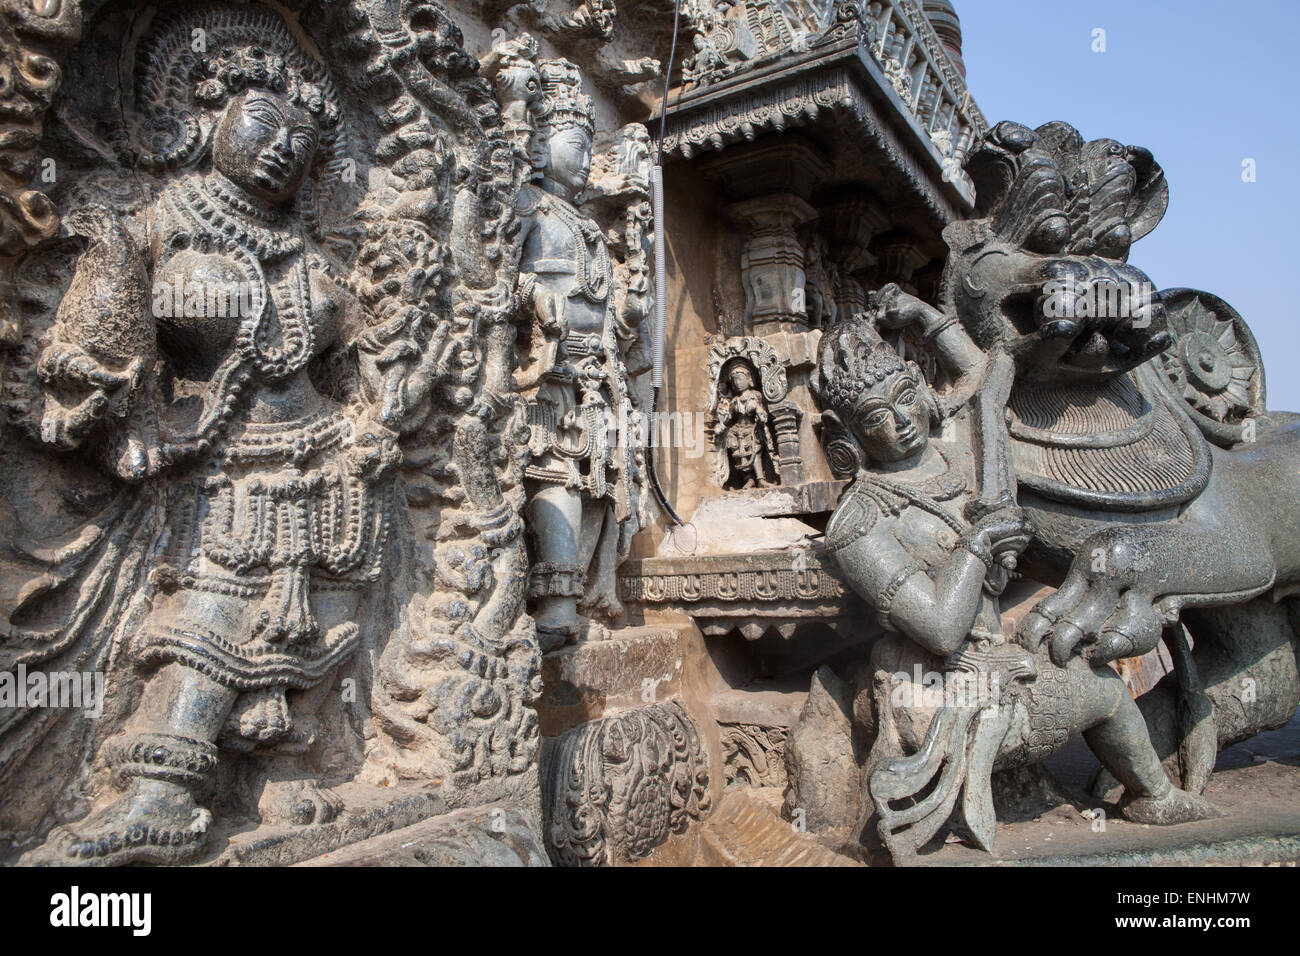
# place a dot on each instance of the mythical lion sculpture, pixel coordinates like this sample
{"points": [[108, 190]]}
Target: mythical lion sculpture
{"points": [[927, 535], [1141, 446], [1127, 430]]}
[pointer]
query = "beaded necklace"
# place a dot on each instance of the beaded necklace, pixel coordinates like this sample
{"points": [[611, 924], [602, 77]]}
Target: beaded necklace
{"points": [[593, 277]]}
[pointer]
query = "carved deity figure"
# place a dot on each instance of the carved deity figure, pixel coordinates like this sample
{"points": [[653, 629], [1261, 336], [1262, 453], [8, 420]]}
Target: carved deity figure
{"points": [[707, 60], [256, 508], [581, 319], [926, 534], [743, 419]]}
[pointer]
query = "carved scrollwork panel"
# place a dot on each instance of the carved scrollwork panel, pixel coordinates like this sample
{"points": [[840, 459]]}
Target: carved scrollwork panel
{"points": [[615, 789]]}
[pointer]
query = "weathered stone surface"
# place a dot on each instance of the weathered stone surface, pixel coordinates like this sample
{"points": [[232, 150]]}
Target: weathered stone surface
{"points": [[580, 317], [754, 754], [632, 667], [273, 501], [1050, 417], [478, 836], [821, 759], [330, 427], [746, 830]]}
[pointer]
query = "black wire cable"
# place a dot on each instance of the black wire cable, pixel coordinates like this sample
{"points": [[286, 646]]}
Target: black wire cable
{"points": [[668, 75], [661, 309]]}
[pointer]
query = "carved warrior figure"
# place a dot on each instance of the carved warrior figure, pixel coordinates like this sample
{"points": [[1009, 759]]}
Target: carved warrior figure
{"points": [[244, 391], [580, 317], [929, 547]]}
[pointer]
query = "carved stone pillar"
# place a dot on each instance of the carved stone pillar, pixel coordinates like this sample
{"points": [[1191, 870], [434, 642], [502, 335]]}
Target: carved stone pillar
{"points": [[772, 261], [770, 185], [850, 221], [900, 255], [785, 423]]}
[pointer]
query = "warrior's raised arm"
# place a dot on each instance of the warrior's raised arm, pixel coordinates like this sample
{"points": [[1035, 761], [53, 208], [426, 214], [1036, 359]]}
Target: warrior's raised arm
{"points": [[979, 379]]}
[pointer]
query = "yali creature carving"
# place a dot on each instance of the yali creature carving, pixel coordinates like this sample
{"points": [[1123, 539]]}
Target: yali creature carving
{"points": [[927, 534], [1116, 388]]}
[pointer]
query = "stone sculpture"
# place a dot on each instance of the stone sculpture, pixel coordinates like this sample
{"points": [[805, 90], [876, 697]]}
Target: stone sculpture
{"points": [[754, 424], [580, 317], [728, 35], [1113, 465], [272, 500], [255, 364], [1087, 422], [321, 332], [746, 425], [927, 538], [617, 788]]}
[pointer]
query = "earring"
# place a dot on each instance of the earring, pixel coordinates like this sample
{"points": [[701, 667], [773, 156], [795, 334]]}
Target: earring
{"points": [[845, 457]]}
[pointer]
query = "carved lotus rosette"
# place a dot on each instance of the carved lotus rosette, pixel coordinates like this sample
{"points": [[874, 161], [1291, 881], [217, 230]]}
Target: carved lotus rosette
{"points": [[1214, 365]]}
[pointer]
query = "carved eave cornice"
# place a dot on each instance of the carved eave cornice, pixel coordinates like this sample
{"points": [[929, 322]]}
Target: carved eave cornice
{"points": [[840, 83]]}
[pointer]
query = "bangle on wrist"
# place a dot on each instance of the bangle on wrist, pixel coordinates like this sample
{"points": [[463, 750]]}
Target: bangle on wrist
{"points": [[945, 322], [971, 542]]}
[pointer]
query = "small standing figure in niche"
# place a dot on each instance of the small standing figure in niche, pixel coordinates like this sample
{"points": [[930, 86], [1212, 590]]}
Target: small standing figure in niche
{"points": [[749, 441]]}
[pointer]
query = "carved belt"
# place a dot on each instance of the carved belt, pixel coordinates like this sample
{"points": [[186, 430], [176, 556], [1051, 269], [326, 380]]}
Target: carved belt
{"points": [[576, 343]]}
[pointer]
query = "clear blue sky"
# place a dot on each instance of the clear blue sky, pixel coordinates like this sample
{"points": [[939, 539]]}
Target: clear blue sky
{"points": [[1203, 85]]}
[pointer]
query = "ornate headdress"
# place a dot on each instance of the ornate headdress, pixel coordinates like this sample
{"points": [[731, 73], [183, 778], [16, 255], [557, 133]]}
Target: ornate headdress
{"points": [[195, 61], [853, 358], [563, 104]]}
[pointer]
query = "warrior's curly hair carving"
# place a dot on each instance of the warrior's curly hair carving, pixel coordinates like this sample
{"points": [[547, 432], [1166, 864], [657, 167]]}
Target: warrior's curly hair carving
{"points": [[851, 359]]}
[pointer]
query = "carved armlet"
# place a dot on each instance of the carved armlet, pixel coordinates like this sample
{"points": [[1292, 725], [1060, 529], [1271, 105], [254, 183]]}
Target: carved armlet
{"points": [[527, 285], [886, 599], [971, 542], [853, 519]]}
